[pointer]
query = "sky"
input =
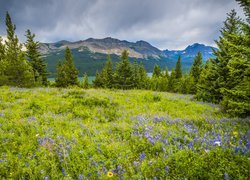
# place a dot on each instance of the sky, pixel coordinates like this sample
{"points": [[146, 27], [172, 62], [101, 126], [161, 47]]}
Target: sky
{"points": [[166, 24]]}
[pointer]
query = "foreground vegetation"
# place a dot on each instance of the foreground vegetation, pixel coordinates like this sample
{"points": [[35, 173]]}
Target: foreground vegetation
{"points": [[49, 133]]}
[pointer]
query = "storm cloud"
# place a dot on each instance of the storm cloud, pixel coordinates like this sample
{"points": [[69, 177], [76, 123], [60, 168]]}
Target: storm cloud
{"points": [[166, 24]]}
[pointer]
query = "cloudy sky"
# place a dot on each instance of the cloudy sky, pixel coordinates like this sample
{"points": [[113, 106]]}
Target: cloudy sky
{"points": [[166, 24]]}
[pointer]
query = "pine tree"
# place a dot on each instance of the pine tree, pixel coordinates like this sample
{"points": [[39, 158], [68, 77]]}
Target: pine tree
{"points": [[135, 75], [67, 74], [17, 70], [196, 67], [245, 4], [123, 74], [157, 71], [143, 78], [2, 49], [85, 81], [208, 88], [33, 55], [178, 70], [172, 81], [236, 97], [98, 82], [218, 69], [2, 61], [166, 75], [196, 70], [107, 73]]}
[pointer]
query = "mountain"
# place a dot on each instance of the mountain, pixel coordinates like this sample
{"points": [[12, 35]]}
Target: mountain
{"points": [[90, 54], [191, 51]]}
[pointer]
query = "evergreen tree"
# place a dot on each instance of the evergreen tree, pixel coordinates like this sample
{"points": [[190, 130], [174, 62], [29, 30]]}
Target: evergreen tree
{"points": [[236, 97], [196, 70], [143, 78], [85, 81], [245, 4], [178, 70], [2, 61], [2, 49], [166, 73], [67, 74], [33, 55], [17, 70], [218, 69], [172, 81], [196, 67], [135, 73], [207, 87], [123, 74], [98, 82], [107, 74], [157, 71]]}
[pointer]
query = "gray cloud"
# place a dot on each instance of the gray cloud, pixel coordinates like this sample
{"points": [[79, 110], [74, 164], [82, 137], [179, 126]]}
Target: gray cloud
{"points": [[164, 23]]}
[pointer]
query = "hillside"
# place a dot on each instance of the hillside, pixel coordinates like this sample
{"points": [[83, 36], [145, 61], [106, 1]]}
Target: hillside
{"points": [[90, 54]]}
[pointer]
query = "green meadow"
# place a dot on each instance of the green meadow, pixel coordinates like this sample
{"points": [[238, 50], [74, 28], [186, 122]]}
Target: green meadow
{"points": [[54, 133]]}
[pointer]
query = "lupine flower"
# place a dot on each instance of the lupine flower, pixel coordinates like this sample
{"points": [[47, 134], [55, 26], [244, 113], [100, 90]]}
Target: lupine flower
{"points": [[80, 177], [226, 176], [64, 172], [166, 169], [142, 156], [46, 178]]}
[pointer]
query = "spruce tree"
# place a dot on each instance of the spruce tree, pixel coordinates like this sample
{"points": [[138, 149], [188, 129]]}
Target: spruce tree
{"points": [[123, 74], [2, 49], [67, 74], [157, 71], [172, 81], [33, 55], [218, 70], [107, 73], [178, 69], [208, 88], [196, 70], [135, 73], [98, 82], [17, 70], [2, 61], [236, 97], [85, 81], [143, 78], [196, 67], [166, 75]]}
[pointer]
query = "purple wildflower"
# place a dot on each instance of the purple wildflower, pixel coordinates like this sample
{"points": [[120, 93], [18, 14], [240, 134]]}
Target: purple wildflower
{"points": [[80, 177], [142, 156], [226, 176]]}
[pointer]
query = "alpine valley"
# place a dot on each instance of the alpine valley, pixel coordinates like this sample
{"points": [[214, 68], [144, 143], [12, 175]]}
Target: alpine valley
{"points": [[90, 55]]}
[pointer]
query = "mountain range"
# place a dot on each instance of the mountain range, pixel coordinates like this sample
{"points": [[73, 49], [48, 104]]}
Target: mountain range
{"points": [[90, 54]]}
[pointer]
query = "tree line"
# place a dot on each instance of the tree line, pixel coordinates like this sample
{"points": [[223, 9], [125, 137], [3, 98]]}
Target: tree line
{"points": [[224, 80]]}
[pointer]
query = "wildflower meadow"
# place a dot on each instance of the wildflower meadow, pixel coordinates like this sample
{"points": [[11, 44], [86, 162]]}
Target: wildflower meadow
{"points": [[52, 133]]}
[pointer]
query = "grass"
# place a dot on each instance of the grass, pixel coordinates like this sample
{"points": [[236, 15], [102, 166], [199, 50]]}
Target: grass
{"points": [[49, 133]]}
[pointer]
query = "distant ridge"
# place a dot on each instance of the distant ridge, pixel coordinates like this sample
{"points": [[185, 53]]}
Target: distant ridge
{"points": [[90, 54]]}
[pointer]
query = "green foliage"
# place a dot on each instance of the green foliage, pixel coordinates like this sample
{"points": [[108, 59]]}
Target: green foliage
{"points": [[33, 55], [225, 80], [61, 133], [98, 82], [157, 71], [15, 70], [124, 73], [86, 84], [178, 69], [196, 70], [67, 74]]}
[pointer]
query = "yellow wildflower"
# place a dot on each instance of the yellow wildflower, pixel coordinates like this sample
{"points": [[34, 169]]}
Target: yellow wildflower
{"points": [[110, 174]]}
